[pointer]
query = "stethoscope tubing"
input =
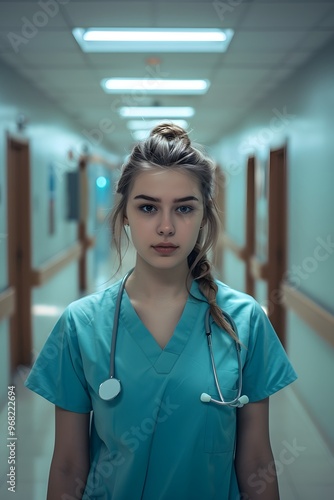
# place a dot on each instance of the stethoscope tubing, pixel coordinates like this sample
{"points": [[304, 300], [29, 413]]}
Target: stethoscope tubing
{"points": [[115, 324], [228, 318], [111, 387]]}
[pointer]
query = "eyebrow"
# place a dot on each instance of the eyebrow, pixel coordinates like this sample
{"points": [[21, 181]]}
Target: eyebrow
{"points": [[158, 200]]}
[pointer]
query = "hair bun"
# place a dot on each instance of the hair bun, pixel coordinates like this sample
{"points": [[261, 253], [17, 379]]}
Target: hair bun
{"points": [[170, 131]]}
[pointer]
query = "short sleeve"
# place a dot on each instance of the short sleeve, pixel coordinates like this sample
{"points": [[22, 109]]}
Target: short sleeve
{"points": [[267, 368], [58, 374]]}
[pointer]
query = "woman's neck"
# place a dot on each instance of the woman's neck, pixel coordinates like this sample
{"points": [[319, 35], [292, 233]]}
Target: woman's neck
{"points": [[156, 284]]}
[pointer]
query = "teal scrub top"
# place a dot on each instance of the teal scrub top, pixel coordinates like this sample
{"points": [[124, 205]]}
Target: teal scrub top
{"points": [[157, 440]]}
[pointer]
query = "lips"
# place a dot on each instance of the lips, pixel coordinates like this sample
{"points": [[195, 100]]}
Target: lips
{"points": [[165, 248], [165, 245]]}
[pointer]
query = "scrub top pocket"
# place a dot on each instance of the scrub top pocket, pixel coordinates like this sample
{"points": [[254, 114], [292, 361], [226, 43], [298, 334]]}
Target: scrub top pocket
{"points": [[220, 423]]}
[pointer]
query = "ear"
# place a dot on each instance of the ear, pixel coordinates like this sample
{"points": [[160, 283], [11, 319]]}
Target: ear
{"points": [[125, 221]]}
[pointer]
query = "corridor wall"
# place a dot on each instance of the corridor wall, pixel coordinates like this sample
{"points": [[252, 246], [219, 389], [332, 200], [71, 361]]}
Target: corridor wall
{"points": [[298, 114], [51, 136]]}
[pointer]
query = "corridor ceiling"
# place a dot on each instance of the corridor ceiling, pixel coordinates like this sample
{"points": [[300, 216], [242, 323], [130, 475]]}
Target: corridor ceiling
{"points": [[272, 40]]}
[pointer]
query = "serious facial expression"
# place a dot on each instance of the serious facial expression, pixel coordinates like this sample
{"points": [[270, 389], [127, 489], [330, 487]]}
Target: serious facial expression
{"points": [[164, 212]]}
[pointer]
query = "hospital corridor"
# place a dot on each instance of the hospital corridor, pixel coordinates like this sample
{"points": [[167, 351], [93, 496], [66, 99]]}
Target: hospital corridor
{"points": [[84, 89]]}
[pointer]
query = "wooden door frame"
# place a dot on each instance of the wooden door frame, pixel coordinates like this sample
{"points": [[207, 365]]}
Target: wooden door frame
{"points": [[82, 223], [19, 248], [219, 199], [277, 238], [250, 224]]}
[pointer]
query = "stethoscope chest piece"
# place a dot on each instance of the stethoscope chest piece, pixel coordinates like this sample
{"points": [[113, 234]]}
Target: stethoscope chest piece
{"points": [[109, 389]]}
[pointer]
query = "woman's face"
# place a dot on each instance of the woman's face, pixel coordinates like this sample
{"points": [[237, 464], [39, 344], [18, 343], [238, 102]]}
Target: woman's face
{"points": [[164, 212]]}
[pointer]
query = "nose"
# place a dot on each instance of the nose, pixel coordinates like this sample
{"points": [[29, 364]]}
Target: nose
{"points": [[166, 226]]}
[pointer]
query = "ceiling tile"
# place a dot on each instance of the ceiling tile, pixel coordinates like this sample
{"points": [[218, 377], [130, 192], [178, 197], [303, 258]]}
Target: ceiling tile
{"points": [[12, 60], [116, 14], [266, 41], [213, 14], [139, 62], [316, 39], [328, 20], [30, 16], [43, 41], [249, 59], [273, 38], [296, 58], [286, 15], [240, 76], [54, 59]]}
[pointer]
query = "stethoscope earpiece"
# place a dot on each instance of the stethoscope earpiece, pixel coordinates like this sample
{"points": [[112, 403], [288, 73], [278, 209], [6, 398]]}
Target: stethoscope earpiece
{"points": [[239, 403], [205, 398]]}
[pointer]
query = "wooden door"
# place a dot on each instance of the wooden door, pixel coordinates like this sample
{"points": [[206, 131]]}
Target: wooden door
{"points": [[19, 249]]}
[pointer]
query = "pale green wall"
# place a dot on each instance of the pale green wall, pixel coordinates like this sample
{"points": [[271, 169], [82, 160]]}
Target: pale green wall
{"points": [[4, 360], [51, 135], [306, 102]]}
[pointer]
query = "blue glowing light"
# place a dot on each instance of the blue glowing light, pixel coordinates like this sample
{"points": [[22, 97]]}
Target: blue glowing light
{"points": [[101, 182]]}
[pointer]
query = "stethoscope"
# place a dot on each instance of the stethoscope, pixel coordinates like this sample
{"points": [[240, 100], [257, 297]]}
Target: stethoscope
{"points": [[111, 387]]}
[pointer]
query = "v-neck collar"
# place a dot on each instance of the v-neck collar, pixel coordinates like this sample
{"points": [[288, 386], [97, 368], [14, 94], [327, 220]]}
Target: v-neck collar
{"points": [[162, 359]]}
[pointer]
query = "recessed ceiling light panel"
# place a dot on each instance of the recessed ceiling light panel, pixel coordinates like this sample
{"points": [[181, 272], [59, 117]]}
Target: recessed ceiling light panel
{"points": [[149, 124], [154, 86], [156, 111], [153, 39]]}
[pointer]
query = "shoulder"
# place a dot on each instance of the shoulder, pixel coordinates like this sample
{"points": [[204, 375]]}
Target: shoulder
{"points": [[231, 300], [246, 312], [87, 309]]}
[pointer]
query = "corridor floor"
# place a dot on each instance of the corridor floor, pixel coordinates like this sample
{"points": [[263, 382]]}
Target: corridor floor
{"points": [[304, 463]]}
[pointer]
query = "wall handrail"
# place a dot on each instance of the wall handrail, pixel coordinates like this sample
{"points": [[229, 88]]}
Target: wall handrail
{"points": [[239, 251], [318, 318], [258, 269], [7, 302], [51, 267]]}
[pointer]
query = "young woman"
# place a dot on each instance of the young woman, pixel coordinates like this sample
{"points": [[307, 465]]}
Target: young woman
{"points": [[154, 432]]}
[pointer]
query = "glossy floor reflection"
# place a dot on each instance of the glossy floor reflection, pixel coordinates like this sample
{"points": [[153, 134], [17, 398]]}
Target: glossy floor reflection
{"points": [[304, 463]]}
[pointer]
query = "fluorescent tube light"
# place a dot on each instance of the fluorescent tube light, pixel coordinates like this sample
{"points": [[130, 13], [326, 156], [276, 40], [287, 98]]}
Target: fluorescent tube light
{"points": [[152, 35], [153, 39], [149, 124], [156, 111], [154, 86]]}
